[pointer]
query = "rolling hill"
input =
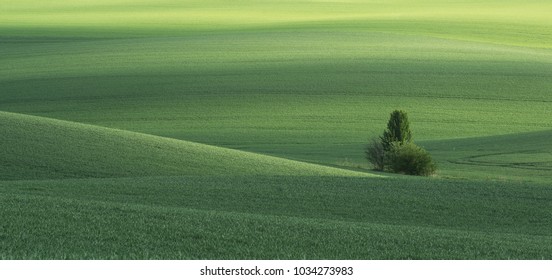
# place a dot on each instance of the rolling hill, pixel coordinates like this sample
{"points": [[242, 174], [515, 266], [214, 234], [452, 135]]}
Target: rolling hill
{"points": [[214, 129], [40, 148]]}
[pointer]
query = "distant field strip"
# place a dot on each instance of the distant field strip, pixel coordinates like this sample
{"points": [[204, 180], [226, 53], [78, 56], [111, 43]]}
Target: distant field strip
{"points": [[515, 22], [520, 157], [525, 160]]}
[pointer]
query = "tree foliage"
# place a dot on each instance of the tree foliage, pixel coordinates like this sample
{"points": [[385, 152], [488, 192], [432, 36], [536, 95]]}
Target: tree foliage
{"points": [[398, 130]]}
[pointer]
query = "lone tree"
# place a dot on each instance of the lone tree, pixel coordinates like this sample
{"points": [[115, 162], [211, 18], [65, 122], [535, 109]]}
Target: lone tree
{"points": [[395, 152], [398, 130]]}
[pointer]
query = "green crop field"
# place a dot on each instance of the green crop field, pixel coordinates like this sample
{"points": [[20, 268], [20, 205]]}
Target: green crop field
{"points": [[142, 129]]}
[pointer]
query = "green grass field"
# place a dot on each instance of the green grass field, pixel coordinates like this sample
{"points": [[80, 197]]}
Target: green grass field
{"points": [[235, 129], [274, 217]]}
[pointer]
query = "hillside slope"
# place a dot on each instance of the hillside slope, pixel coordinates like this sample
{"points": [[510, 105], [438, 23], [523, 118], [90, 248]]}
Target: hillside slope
{"points": [[40, 148]]}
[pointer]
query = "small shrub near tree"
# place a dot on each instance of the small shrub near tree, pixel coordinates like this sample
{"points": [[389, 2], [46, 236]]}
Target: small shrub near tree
{"points": [[395, 152], [410, 159]]}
